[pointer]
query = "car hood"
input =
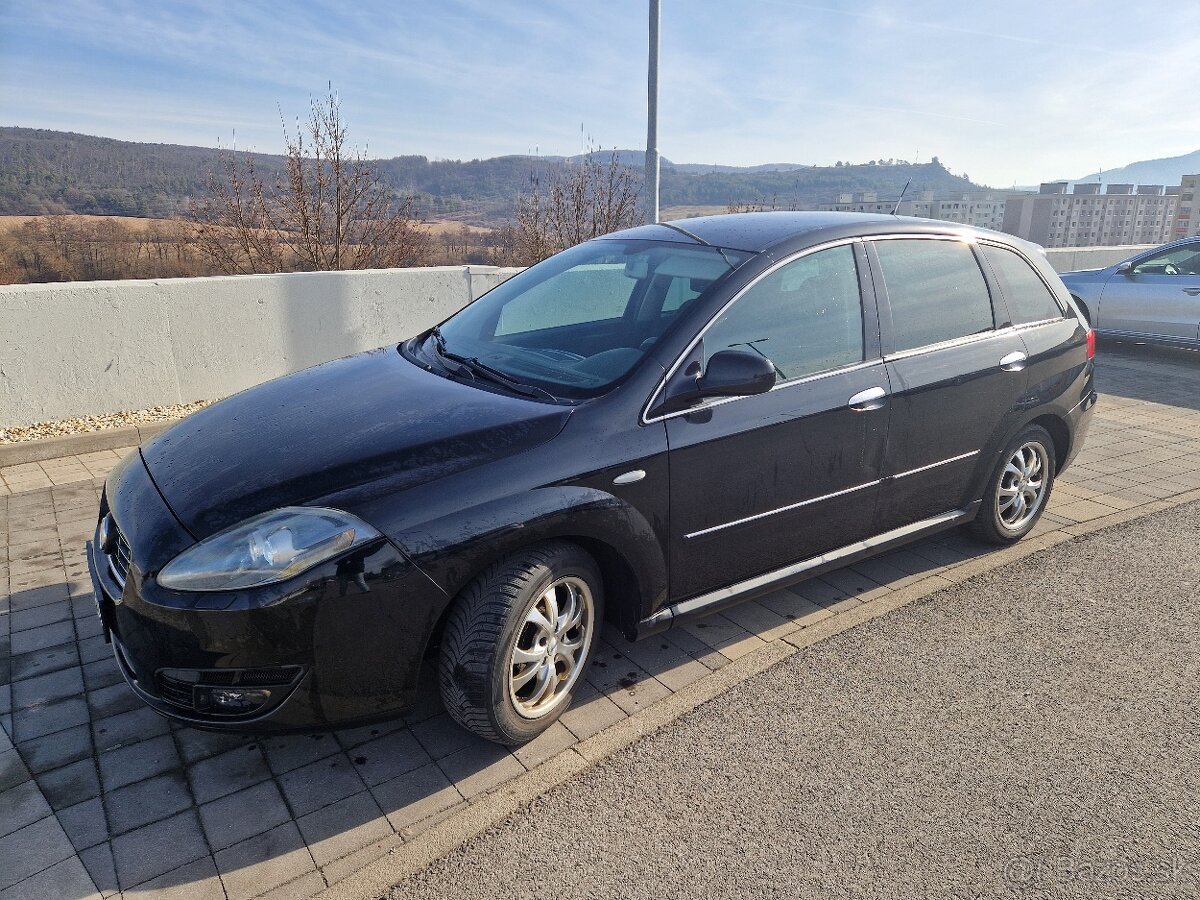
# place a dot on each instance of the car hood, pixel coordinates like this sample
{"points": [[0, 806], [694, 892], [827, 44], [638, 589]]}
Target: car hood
{"points": [[370, 418], [1086, 273]]}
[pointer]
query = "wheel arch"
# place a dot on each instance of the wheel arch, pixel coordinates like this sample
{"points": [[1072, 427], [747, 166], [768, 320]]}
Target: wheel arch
{"points": [[1059, 433], [622, 542]]}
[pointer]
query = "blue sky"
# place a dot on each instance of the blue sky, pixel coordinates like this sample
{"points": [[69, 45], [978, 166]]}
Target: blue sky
{"points": [[1007, 92]]}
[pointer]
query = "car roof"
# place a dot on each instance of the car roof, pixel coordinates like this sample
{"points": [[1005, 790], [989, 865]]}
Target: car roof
{"points": [[759, 232]]}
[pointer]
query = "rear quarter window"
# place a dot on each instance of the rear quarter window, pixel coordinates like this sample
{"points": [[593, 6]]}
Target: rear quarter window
{"points": [[1028, 298], [935, 289]]}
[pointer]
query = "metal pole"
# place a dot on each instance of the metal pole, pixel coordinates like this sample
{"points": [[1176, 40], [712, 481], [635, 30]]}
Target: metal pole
{"points": [[652, 119]]}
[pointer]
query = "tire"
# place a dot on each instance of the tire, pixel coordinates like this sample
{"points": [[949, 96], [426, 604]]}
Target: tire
{"points": [[1027, 463], [485, 687]]}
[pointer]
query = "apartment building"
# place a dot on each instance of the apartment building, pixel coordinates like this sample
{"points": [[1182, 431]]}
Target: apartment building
{"points": [[981, 209], [1187, 213], [1086, 217]]}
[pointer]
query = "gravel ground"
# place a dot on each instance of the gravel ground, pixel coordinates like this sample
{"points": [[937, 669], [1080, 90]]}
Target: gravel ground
{"points": [[40, 430], [1031, 733]]}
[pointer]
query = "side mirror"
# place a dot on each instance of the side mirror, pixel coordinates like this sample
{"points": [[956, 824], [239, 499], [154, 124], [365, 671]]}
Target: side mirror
{"points": [[736, 373], [1125, 268], [730, 373]]}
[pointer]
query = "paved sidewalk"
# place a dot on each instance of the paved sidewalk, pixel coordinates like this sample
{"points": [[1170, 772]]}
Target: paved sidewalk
{"points": [[99, 795], [1030, 733]]}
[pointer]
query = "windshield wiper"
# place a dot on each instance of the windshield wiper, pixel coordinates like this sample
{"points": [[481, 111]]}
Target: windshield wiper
{"points": [[475, 368]]}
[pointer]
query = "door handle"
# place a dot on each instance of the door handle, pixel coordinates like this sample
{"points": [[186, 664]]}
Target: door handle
{"points": [[871, 398], [1192, 291], [1014, 362]]}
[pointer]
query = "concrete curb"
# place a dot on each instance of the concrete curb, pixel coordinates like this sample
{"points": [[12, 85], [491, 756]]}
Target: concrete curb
{"points": [[74, 444], [378, 878]]}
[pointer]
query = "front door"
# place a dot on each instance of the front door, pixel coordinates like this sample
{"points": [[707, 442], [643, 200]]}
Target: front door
{"points": [[759, 482], [1158, 296]]}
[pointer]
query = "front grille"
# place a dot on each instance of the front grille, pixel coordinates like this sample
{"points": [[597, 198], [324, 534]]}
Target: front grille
{"points": [[118, 560], [175, 691]]}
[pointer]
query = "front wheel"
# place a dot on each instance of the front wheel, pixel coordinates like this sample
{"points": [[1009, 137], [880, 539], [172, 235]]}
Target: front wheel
{"points": [[518, 641], [1019, 489]]}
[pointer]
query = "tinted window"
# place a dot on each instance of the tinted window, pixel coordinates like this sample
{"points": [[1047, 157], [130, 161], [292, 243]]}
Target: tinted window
{"points": [[1029, 300], [578, 322], [805, 317], [936, 290]]}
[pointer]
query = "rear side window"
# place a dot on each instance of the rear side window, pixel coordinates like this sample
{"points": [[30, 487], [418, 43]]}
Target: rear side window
{"points": [[936, 291], [1029, 300], [805, 317]]}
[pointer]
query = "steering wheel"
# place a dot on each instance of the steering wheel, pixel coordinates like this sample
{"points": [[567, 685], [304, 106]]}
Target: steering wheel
{"points": [[1170, 269]]}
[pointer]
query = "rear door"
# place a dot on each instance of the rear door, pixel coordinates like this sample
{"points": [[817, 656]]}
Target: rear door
{"points": [[957, 373], [762, 481], [1158, 297]]}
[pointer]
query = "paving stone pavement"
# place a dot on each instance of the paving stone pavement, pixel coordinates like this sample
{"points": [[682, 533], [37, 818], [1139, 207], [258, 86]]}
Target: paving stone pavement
{"points": [[101, 797]]}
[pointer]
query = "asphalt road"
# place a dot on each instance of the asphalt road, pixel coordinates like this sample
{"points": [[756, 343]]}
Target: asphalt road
{"points": [[1032, 732]]}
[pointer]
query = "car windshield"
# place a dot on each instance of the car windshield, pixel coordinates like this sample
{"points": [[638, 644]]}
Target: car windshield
{"points": [[577, 323]]}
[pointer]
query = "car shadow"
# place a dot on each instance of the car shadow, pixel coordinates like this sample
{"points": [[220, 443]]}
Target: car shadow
{"points": [[1150, 373]]}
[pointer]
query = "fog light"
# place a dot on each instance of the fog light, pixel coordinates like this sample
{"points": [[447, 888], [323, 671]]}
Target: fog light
{"points": [[231, 701]]}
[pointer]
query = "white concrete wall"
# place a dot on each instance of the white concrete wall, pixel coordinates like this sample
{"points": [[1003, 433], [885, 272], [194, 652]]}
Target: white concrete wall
{"points": [[1072, 259], [97, 347], [86, 348]]}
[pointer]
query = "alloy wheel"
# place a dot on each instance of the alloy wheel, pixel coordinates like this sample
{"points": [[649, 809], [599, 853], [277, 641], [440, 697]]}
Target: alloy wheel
{"points": [[551, 647], [1022, 486]]}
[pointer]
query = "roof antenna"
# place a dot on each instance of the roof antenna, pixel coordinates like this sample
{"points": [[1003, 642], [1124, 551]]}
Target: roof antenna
{"points": [[896, 208]]}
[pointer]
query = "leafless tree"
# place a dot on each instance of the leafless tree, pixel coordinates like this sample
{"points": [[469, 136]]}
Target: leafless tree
{"points": [[330, 209], [575, 203]]}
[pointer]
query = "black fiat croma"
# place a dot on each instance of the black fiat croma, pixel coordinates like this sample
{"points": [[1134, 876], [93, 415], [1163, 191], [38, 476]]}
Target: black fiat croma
{"points": [[643, 429]]}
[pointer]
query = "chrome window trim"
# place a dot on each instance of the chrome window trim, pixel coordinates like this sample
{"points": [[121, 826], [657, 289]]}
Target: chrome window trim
{"points": [[806, 379], [934, 465], [954, 342], [1040, 323], [782, 509], [807, 251]]}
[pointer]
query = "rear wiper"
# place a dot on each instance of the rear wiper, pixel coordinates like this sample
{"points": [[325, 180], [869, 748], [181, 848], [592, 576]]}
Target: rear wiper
{"points": [[474, 368]]}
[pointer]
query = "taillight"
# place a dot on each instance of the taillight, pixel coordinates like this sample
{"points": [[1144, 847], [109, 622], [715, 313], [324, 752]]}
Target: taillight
{"points": [[1091, 343]]}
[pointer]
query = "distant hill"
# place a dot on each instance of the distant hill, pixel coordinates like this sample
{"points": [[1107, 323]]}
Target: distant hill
{"points": [[54, 171], [1167, 170]]}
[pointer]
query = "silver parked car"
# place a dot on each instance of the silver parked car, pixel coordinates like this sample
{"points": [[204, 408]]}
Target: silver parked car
{"points": [[1154, 296]]}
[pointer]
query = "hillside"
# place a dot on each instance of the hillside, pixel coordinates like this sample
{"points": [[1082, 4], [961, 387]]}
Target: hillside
{"points": [[1167, 170], [52, 171]]}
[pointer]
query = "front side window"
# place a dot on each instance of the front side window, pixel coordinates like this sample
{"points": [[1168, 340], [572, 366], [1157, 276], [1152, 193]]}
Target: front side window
{"points": [[935, 289], [577, 323], [805, 317], [1183, 260], [1029, 300]]}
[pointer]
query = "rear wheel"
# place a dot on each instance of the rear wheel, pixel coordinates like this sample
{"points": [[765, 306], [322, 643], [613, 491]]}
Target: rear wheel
{"points": [[1019, 489], [518, 641]]}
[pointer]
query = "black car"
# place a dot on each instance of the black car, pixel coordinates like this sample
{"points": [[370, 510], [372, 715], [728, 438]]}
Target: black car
{"points": [[643, 429]]}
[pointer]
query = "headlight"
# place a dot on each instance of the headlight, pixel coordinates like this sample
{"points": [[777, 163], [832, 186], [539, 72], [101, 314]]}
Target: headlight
{"points": [[268, 548]]}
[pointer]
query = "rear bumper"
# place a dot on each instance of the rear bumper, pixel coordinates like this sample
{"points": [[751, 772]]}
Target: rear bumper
{"points": [[1079, 419]]}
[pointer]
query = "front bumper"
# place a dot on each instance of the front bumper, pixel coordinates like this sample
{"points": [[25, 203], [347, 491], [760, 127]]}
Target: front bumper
{"points": [[346, 638]]}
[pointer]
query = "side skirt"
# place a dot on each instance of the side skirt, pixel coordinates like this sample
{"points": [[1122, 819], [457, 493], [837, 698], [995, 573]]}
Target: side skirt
{"points": [[723, 598]]}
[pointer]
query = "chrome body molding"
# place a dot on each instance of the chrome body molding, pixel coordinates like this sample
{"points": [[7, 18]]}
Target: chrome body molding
{"points": [[727, 596], [940, 462], [823, 497], [782, 509]]}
